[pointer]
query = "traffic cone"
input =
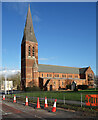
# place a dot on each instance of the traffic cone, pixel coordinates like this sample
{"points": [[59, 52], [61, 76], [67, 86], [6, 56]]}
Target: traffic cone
{"points": [[3, 97], [14, 99], [46, 105], [26, 101], [54, 106], [38, 104]]}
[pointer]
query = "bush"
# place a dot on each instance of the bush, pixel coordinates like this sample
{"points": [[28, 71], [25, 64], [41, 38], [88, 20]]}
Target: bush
{"points": [[68, 86], [83, 87], [18, 87], [32, 88], [76, 89]]}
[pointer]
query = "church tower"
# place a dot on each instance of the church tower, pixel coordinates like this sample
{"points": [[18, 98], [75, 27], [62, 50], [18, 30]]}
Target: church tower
{"points": [[29, 55]]}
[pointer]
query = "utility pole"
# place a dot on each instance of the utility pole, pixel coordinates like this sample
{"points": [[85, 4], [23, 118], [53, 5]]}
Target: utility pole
{"points": [[5, 83]]}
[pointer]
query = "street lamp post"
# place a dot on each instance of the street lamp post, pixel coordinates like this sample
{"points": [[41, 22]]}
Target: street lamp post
{"points": [[8, 86]]}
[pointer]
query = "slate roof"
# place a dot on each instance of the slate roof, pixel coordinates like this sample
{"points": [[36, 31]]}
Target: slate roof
{"points": [[29, 34], [60, 69], [57, 69]]}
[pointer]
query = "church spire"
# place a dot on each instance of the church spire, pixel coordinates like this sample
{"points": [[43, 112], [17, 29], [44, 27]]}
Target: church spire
{"points": [[29, 34]]}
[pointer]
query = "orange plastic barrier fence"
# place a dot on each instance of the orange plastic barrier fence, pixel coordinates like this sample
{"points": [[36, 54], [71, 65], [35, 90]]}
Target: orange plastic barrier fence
{"points": [[92, 100], [88, 99]]}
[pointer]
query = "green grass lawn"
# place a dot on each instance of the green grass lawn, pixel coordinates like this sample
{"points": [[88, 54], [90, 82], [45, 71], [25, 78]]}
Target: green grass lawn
{"points": [[68, 95]]}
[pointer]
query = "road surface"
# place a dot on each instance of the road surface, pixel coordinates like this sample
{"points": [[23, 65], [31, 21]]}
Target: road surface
{"points": [[17, 110]]}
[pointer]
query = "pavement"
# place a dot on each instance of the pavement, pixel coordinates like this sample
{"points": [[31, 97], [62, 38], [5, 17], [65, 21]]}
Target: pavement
{"points": [[0, 106]]}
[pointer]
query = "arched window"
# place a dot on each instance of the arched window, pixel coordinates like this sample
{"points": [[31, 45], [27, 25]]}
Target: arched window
{"points": [[42, 75], [29, 51], [62, 83], [59, 83], [33, 52], [47, 75], [54, 83]]}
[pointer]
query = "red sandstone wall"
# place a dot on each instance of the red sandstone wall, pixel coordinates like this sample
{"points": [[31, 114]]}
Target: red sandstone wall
{"points": [[27, 63], [89, 71], [58, 80]]}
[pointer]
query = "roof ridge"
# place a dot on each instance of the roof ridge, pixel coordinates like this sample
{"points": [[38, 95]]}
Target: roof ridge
{"points": [[84, 67], [59, 66]]}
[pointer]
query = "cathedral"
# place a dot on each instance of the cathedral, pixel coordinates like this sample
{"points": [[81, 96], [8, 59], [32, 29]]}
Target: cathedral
{"points": [[47, 77]]}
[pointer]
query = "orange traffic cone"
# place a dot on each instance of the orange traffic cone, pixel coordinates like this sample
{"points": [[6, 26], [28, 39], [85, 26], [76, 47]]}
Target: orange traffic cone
{"points": [[26, 101], [3, 97], [38, 104], [54, 106], [14, 99], [46, 105]]}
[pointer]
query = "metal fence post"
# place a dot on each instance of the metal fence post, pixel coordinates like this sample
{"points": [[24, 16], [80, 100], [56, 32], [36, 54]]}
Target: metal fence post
{"points": [[51, 99], [81, 99], [64, 99]]}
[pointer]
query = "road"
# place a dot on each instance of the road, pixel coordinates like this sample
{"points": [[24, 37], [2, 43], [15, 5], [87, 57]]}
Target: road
{"points": [[13, 110], [17, 110]]}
